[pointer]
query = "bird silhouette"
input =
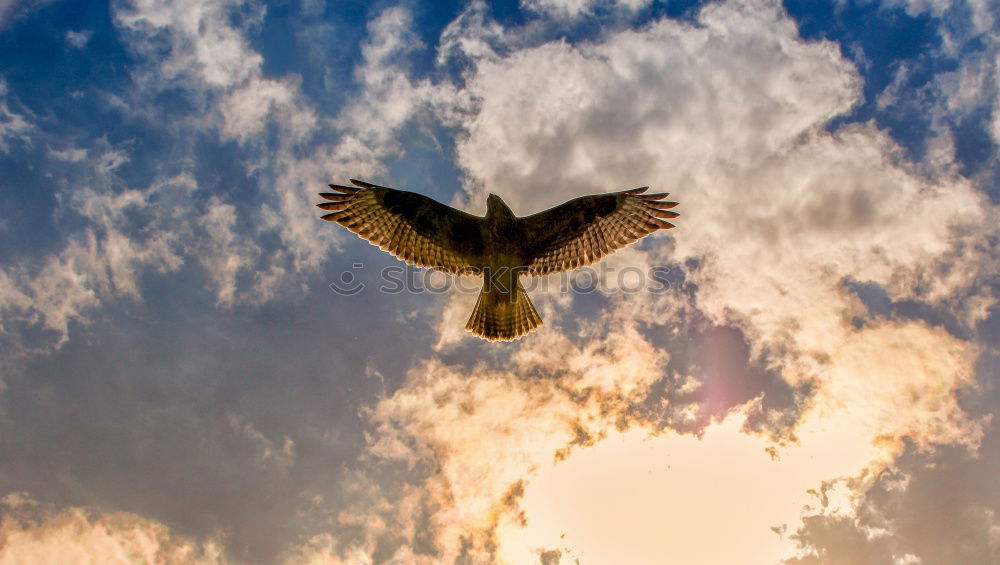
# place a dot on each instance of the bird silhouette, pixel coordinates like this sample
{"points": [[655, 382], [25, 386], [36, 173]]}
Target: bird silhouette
{"points": [[500, 247]]}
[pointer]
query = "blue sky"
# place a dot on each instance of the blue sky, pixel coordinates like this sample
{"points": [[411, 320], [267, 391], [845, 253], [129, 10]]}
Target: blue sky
{"points": [[179, 383]]}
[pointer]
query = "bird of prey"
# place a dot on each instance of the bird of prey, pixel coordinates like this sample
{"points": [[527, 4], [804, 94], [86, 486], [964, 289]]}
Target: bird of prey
{"points": [[499, 247]]}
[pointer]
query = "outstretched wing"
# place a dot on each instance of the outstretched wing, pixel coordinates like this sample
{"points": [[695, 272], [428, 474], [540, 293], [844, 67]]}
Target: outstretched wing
{"points": [[413, 227], [583, 230]]}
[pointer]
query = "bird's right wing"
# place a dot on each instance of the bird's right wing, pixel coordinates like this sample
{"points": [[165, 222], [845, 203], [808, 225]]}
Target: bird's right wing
{"points": [[413, 227], [581, 231]]}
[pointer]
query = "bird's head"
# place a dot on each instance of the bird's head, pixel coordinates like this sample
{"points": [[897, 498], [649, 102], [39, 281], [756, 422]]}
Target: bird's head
{"points": [[495, 206]]}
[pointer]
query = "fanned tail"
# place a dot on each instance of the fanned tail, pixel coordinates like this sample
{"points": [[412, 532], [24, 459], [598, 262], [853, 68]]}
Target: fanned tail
{"points": [[499, 316]]}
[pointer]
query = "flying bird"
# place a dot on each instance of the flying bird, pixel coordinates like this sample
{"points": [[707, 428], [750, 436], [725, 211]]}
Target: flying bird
{"points": [[499, 247]]}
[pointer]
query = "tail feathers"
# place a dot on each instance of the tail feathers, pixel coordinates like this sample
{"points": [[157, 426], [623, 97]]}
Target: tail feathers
{"points": [[498, 318]]}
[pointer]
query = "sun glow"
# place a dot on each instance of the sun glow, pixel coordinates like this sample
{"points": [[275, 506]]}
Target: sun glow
{"points": [[640, 498]]}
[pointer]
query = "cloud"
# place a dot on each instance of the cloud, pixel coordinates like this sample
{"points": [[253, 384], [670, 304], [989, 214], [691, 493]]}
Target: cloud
{"points": [[505, 464], [12, 10], [32, 533], [572, 9], [103, 260], [224, 254], [210, 57], [130, 228], [368, 132], [672, 91], [78, 39], [116, 236], [213, 57], [13, 125], [475, 460], [222, 75], [731, 114], [472, 35], [667, 497], [781, 210], [322, 549], [127, 230], [268, 452], [961, 100], [979, 12], [900, 380], [220, 72], [483, 433]]}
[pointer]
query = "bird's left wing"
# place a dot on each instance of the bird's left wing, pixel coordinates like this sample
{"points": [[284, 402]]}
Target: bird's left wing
{"points": [[413, 227], [583, 230]]}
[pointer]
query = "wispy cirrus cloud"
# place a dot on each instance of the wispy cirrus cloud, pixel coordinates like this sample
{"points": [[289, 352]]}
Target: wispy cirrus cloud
{"points": [[571, 9], [963, 102], [212, 57], [123, 233], [13, 124]]}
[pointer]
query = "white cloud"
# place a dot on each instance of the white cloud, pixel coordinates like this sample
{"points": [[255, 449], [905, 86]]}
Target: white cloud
{"points": [[126, 233], [368, 129], [12, 10], [247, 109], [13, 125], [968, 30], [572, 9], [222, 252], [202, 42], [390, 97], [472, 34], [729, 114], [606, 114], [212, 56], [78, 39], [213, 59], [70, 154], [979, 11]]}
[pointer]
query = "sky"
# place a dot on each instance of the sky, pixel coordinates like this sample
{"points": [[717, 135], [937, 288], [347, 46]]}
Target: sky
{"points": [[804, 371]]}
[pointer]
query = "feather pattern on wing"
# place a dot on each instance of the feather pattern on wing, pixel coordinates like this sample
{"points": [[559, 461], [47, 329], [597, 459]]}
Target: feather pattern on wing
{"points": [[585, 229], [413, 227], [427, 233]]}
